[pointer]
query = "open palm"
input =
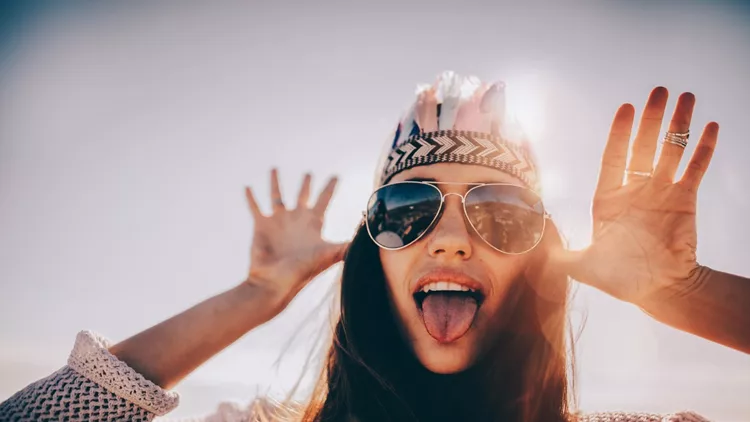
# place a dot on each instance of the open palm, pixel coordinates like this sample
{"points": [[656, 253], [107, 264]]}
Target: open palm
{"points": [[644, 234], [287, 249]]}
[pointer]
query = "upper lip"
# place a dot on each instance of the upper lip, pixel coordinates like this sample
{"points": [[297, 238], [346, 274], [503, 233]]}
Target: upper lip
{"points": [[445, 274]]}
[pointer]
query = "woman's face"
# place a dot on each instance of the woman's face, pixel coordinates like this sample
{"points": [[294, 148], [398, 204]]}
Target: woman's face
{"points": [[449, 331]]}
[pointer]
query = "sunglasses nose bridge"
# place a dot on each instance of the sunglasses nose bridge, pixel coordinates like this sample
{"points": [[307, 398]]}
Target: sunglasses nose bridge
{"points": [[445, 207], [453, 193]]}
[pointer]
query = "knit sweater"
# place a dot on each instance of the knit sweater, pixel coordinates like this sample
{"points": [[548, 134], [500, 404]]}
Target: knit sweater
{"points": [[96, 386]]}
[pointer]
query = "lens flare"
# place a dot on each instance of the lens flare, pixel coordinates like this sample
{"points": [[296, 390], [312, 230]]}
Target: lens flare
{"points": [[526, 99]]}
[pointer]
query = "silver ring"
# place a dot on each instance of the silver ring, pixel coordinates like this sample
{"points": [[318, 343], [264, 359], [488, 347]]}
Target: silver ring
{"points": [[675, 138], [638, 173]]}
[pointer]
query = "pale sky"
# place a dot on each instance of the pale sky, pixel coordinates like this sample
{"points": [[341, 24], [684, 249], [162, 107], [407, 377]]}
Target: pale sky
{"points": [[127, 133]]}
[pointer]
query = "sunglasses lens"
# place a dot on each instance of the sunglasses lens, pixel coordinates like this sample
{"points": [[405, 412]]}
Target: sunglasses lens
{"points": [[510, 218], [398, 214]]}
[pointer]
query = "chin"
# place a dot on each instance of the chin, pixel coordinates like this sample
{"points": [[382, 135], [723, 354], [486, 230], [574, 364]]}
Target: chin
{"points": [[446, 358]]}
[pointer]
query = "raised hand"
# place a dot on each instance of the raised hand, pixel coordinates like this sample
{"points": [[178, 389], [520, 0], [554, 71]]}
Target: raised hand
{"points": [[287, 249], [644, 235]]}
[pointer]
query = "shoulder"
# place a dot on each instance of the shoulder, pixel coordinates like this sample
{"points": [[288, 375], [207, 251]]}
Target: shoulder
{"points": [[641, 417]]}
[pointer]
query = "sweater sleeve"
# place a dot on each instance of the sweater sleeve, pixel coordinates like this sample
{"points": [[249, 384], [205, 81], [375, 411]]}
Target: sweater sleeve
{"points": [[93, 386]]}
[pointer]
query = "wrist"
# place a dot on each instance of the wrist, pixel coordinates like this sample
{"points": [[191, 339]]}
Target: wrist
{"points": [[677, 290], [260, 302]]}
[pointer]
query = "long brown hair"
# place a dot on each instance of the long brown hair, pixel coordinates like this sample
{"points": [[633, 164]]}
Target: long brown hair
{"points": [[371, 374]]}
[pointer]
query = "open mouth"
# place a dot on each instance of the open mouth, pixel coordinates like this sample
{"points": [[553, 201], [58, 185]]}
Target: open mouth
{"points": [[448, 309]]}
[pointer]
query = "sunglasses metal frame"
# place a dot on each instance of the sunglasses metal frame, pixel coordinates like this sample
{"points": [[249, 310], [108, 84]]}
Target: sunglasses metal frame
{"points": [[545, 215]]}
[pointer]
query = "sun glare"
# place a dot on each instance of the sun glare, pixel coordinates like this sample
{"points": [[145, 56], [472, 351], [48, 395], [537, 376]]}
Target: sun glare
{"points": [[526, 99]]}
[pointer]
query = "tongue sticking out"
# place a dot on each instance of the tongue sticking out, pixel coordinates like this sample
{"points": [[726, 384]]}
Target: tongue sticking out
{"points": [[448, 316]]}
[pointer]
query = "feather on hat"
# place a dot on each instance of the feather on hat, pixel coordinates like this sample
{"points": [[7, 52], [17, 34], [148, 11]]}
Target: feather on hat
{"points": [[459, 120]]}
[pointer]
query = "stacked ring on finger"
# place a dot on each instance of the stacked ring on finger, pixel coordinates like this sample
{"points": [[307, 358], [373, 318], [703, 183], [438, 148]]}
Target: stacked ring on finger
{"points": [[638, 173], [676, 138]]}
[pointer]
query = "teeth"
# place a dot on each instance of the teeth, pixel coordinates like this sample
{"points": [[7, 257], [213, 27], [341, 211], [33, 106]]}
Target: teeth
{"points": [[445, 286]]}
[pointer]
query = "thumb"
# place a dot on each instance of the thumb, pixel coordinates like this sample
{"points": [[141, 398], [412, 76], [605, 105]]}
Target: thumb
{"points": [[333, 253], [338, 251], [325, 257], [549, 266], [569, 261]]}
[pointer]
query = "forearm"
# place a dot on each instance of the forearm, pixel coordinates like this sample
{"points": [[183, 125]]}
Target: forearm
{"points": [[169, 351], [712, 304]]}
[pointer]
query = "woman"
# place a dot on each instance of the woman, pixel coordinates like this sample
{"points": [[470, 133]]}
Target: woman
{"points": [[454, 289]]}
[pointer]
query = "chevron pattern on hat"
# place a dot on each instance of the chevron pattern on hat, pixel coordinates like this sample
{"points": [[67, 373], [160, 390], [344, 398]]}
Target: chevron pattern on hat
{"points": [[465, 147]]}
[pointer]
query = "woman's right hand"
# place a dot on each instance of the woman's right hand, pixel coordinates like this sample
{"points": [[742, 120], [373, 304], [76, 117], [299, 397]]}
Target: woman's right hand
{"points": [[287, 249], [287, 252]]}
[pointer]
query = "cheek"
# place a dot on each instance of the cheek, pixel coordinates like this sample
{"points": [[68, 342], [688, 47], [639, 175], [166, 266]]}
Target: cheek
{"points": [[502, 270], [396, 267]]}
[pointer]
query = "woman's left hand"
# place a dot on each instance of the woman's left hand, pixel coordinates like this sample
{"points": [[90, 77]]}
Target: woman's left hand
{"points": [[644, 235]]}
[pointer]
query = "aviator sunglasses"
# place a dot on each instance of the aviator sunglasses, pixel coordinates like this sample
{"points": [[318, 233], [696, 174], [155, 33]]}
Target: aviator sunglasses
{"points": [[509, 218]]}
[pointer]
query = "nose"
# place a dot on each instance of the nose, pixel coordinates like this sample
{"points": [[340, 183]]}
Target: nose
{"points": [[450, 239]]}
